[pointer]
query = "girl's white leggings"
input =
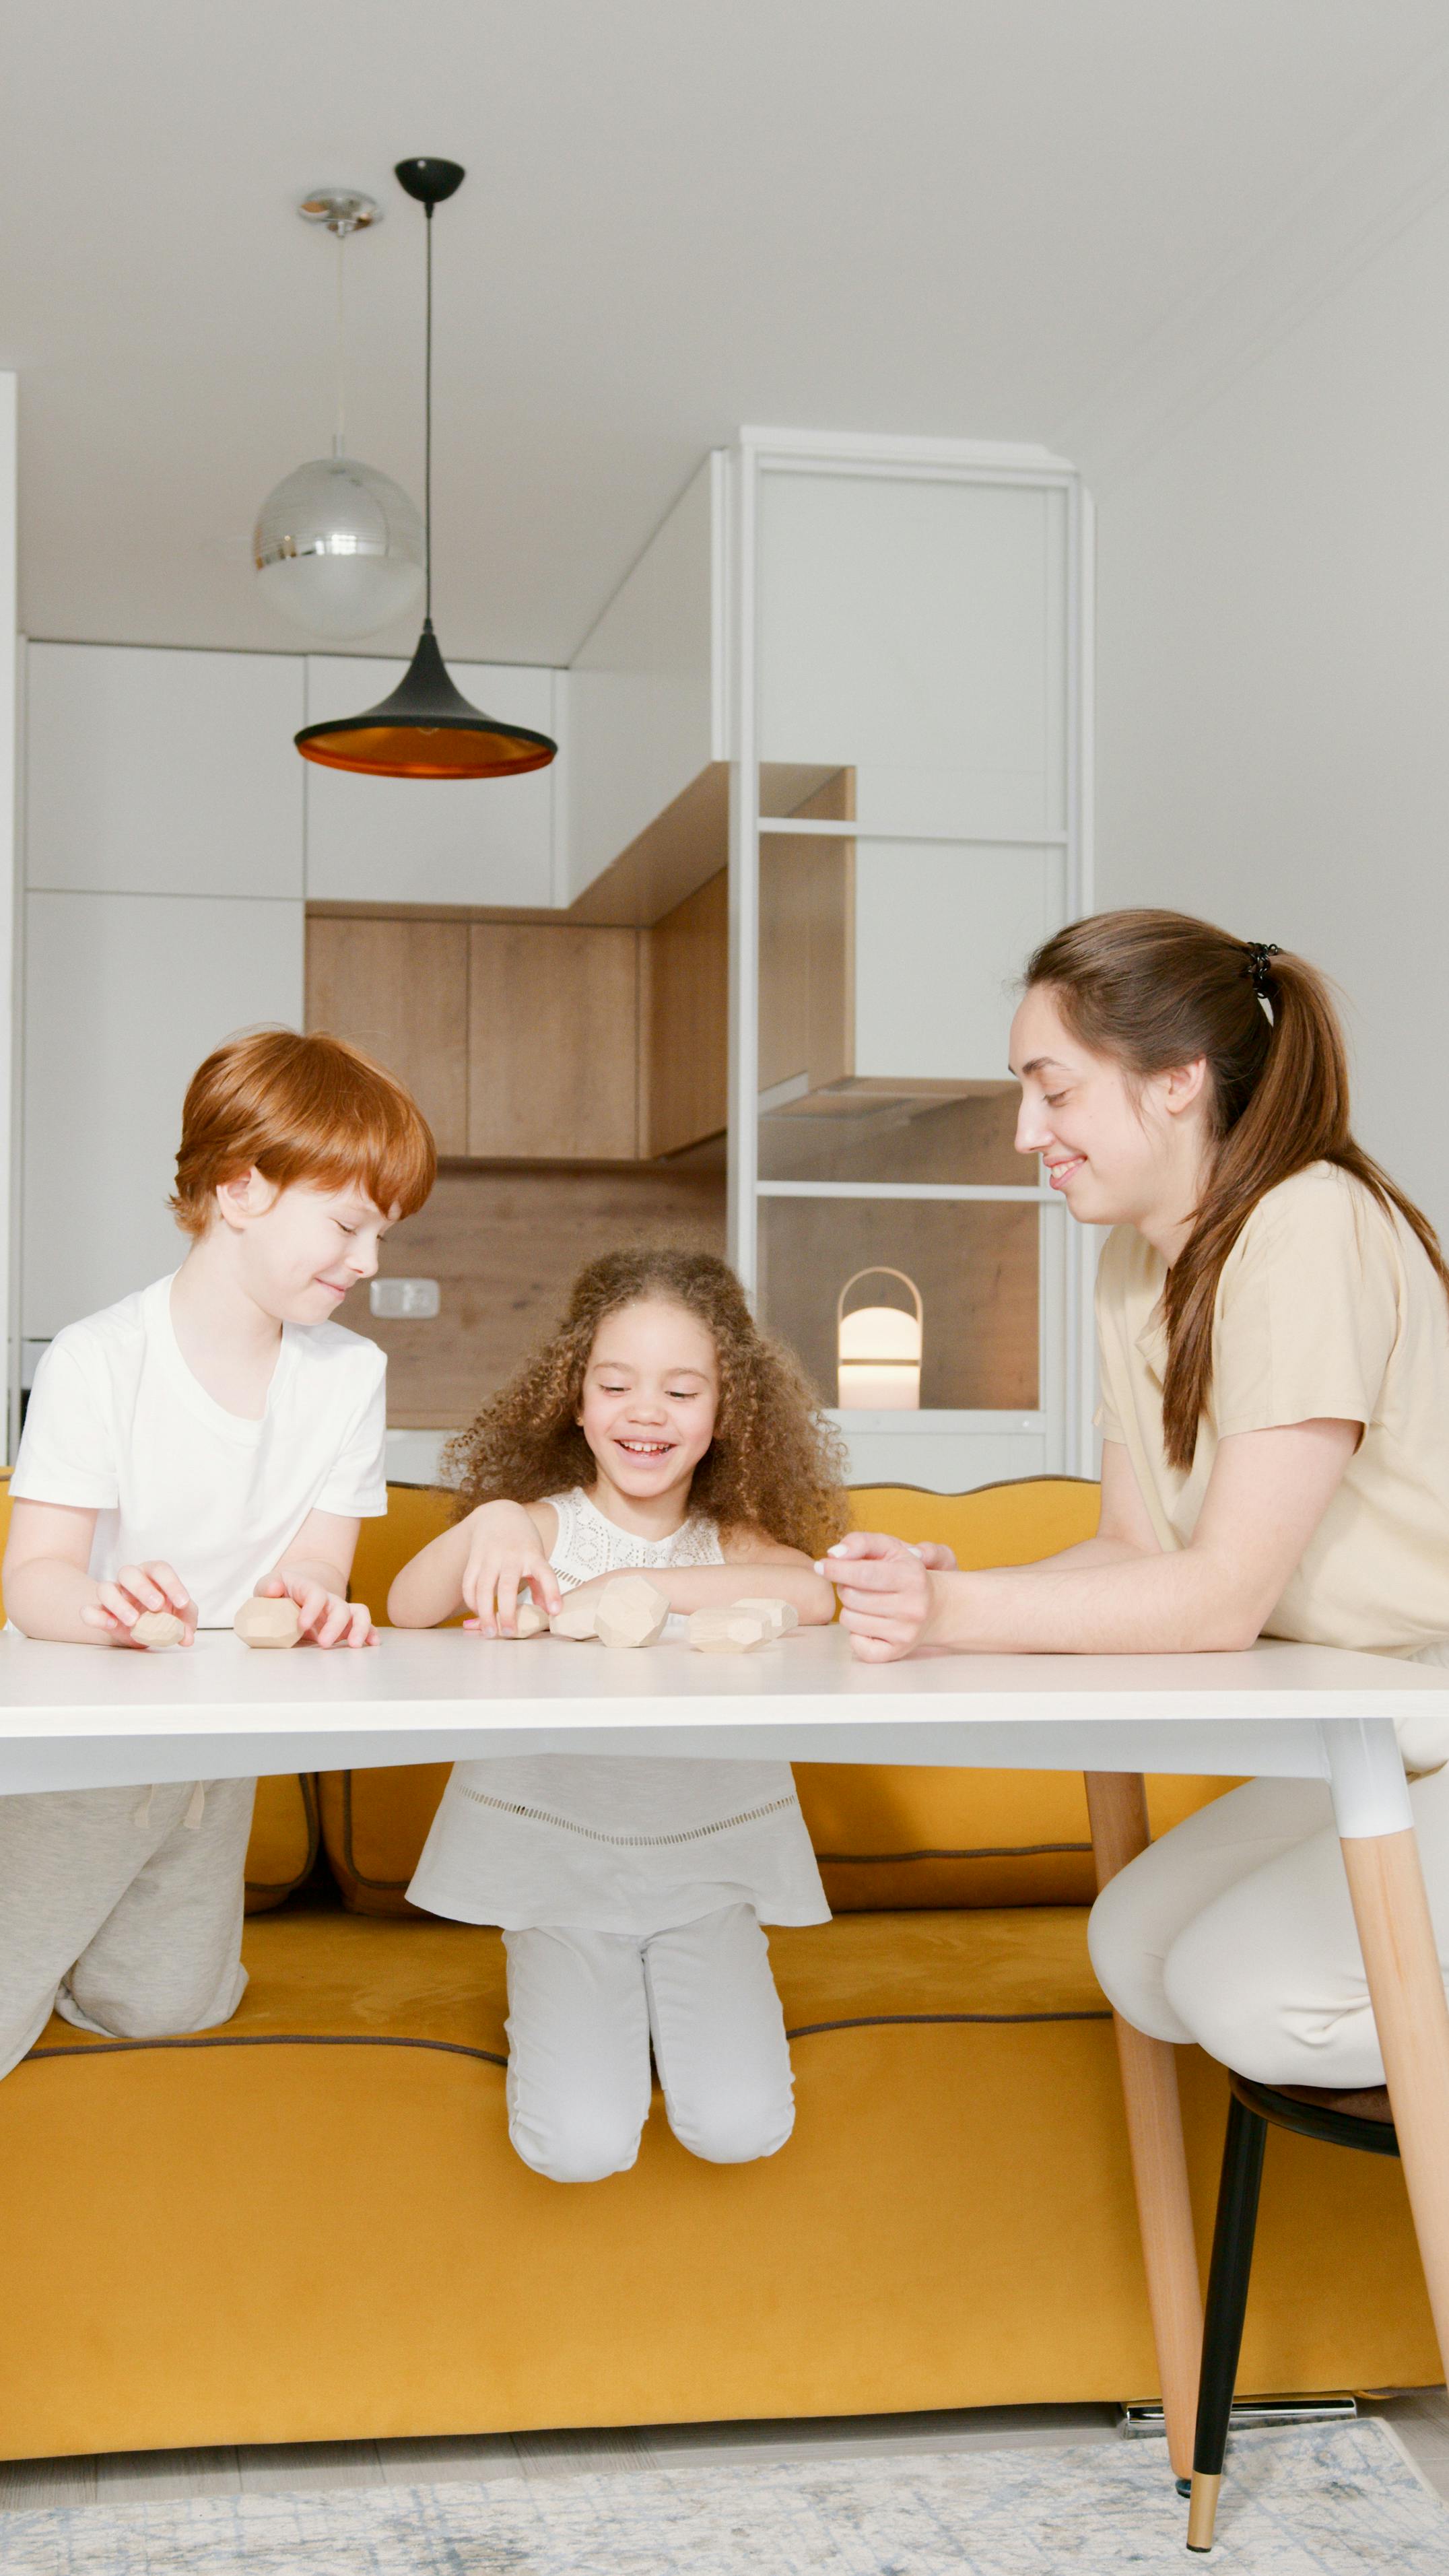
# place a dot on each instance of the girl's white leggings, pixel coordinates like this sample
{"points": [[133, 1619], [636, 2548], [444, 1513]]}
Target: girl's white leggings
{"points": [[583, 2008], [1236, 1931]]}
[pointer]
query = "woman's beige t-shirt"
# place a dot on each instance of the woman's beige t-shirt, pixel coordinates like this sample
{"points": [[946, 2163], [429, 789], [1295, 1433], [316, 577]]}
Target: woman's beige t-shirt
{"points": [[1328, 1307]]}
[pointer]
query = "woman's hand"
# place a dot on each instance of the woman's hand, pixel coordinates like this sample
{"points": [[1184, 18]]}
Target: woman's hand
{"points": [[504, 1553], [887, 1596], [119, 1603], [935, 1556], [327, 1618]]}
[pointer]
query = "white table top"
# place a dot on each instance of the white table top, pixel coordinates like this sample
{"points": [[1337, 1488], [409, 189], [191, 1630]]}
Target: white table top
{"points": [[74, 1716]]}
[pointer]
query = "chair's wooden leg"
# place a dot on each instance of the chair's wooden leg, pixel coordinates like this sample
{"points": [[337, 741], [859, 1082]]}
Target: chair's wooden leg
{"points": [[1406, 1988], [1117, 1807]]}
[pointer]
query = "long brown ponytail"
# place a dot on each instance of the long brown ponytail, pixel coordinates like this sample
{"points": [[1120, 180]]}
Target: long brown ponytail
{"points": [[1158, 989]]}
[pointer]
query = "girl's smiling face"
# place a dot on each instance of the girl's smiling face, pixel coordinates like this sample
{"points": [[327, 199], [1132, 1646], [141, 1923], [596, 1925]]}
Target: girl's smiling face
{"points": [[650, 1396]]}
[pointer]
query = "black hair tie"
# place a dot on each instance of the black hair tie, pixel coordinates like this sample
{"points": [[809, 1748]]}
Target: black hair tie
{"points": [[1259, 953]]}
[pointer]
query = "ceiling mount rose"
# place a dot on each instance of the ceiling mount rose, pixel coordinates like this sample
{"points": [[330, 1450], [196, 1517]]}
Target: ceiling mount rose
{"points": [[430, 183], [427, 729], [343, 210]]}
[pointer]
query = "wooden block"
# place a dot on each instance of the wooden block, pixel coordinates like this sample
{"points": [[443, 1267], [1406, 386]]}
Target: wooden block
{"points": [[782, 1615], [266, 1622], [158, 1628], [576, 1618], [631, 1611], [732, 1631], [529, 1621]]}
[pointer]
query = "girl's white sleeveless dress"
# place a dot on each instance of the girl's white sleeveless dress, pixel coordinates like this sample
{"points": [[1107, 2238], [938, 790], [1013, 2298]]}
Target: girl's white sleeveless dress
{"points": [[602, 1843]]}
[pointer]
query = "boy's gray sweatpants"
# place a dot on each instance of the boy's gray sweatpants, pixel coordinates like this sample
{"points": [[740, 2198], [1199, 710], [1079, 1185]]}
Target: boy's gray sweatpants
{"points": [[122, 1909]]}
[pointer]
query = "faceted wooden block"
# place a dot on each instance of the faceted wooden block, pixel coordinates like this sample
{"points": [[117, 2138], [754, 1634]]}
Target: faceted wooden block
{"points": [[265, 1622], [731, 1631], [158, 1628], [576, 1618], [782, 1615], [631, 1611]]}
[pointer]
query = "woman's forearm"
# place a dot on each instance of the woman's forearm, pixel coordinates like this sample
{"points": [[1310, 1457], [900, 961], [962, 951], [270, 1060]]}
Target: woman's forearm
{"points": [[1089, 1603]]}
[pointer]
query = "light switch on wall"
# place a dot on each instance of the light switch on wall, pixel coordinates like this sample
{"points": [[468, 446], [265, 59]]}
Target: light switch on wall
{"points": [[417, 1299]]}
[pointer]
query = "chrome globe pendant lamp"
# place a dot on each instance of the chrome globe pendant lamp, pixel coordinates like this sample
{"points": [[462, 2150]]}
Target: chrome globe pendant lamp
{"points": [[427, 729], [338, 546]]}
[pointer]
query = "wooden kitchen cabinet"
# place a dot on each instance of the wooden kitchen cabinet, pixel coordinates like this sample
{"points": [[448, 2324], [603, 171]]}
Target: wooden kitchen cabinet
{"points": [[553, 1042], [684, 1017], [807, 949], [526, 1041], [399, 990]]}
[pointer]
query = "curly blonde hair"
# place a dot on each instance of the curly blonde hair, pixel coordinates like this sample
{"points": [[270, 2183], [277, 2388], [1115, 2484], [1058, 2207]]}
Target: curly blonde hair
{"points": [[774, 1464]]}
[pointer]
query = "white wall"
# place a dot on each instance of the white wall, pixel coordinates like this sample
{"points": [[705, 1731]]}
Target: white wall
{"points": [[9, 918], [1273, 676]]}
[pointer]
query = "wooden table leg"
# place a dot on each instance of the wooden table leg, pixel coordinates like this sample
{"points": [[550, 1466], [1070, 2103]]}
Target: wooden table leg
{"points": [[1406, 1987], [1117, 1807], [1405, 1981]]}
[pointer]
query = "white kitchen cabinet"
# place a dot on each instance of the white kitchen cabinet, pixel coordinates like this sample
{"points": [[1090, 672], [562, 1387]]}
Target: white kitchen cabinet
{"points": [[429, 840], [914, 631], [646, 687], [941, 934], [124, 996], [163, 773]]}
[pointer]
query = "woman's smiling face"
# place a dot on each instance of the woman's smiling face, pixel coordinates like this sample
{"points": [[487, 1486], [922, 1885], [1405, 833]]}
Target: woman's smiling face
{"points": [[650, 1395], [1120, 1151]]}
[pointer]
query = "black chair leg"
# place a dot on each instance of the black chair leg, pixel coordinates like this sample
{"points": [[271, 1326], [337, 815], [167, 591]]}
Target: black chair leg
{"points": [[1227, 2302]]}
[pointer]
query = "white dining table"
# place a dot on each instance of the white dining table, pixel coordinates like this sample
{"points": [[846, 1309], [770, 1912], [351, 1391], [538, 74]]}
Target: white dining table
{"points": [[75, 1717]]}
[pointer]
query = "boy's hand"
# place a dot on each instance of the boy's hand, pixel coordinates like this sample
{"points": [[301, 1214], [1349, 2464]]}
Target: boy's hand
{"points": [[328, 1618], [505, 1552], [886, 1597], [119, 1603]]}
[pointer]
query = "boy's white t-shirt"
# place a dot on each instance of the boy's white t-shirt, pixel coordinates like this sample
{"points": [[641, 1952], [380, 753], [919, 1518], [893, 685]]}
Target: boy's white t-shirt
{"points": [[118, 1424]]}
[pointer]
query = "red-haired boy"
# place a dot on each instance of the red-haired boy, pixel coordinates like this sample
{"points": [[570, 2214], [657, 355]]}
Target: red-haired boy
{"points": [[212, 1436]]}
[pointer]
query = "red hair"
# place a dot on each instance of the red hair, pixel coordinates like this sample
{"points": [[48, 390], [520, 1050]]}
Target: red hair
{"points": [[300, 1109]]}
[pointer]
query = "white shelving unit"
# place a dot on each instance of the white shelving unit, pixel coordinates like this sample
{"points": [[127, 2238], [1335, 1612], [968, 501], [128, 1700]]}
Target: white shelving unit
{"points": [[912, 616]]}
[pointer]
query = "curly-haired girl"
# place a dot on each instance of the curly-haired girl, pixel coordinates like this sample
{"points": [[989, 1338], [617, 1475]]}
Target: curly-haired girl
{"points": [[657, 1430]]}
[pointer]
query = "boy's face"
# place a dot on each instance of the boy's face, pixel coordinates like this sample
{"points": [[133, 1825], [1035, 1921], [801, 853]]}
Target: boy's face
{"points": [[298, 1251]]}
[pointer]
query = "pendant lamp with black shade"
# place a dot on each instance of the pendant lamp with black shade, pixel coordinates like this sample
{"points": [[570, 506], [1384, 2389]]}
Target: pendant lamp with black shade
{"points": [[427, 729]]}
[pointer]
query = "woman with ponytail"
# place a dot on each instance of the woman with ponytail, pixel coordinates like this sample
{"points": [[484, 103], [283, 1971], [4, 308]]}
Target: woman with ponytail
{"points": [[1273, 1326]]}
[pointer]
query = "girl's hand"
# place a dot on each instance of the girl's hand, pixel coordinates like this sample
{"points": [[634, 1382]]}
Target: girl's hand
{"points": [[886, 1592], [505, 1552], [119, 1603], [328, 1618]]}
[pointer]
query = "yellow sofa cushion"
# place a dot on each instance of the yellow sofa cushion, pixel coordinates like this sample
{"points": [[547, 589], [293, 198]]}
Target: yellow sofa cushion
{"points": [[286, 1828], [887, 1836], [415, 1514], [286, 1833], [309, 2225]]}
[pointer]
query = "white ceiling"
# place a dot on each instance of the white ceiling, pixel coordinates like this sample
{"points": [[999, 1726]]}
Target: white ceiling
{"points": [[957, 217]]}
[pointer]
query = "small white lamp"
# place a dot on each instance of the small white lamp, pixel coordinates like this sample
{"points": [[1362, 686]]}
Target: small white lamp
{"points": [[878, 1350]]}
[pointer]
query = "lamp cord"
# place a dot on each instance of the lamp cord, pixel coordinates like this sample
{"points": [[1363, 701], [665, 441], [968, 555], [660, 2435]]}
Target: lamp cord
{"points": [[428, 440], [339, 434]]}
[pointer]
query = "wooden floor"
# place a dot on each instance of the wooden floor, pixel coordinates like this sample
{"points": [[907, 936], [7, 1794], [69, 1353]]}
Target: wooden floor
{"points": [[1422, 2420]]}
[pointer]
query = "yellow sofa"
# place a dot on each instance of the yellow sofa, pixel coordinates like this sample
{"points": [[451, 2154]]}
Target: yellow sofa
{"points": [[309, 2225]]}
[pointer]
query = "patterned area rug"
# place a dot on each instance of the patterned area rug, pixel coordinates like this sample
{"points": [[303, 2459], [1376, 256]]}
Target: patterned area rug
{"points": [[1337, 2501]]}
